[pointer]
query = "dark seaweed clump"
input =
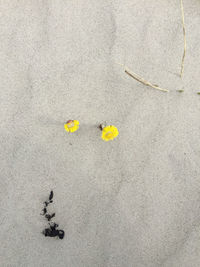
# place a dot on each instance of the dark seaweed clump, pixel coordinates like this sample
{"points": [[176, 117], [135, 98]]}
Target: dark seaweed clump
{"points": [[52, 230]]}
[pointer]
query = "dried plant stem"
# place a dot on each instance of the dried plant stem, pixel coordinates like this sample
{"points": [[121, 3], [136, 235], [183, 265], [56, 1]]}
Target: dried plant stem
{"points": [[184, 36], [141, 80]]}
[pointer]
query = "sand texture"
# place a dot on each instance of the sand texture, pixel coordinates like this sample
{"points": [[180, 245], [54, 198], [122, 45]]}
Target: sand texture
{"points": [[131, 202]]}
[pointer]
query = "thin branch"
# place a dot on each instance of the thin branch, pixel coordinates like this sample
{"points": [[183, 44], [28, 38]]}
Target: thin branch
{"points": [[141, 80], [184, 36]]}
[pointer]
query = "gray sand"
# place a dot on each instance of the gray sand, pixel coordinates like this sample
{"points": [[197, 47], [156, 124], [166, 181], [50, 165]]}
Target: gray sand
{"points": [[132, 202]]}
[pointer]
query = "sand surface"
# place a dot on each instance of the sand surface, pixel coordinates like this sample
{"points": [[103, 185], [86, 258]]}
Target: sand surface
{"points": [[132, 202]]}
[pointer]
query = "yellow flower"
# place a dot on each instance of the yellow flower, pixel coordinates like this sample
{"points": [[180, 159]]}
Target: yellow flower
{"points": [[71, 126], [109, 133]]}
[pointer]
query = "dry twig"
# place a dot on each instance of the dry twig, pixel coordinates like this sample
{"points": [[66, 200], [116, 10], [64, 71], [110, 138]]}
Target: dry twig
{"points": [[142, 80], [184, 36]]}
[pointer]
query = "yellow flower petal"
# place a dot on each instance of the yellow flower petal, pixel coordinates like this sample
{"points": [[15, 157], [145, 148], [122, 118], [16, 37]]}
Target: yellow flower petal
{"points": [[109, 133], [71, 126]]}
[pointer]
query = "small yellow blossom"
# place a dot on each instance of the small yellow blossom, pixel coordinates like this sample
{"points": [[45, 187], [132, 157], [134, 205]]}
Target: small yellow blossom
{"points": [[109, 133], [71, 126]]}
